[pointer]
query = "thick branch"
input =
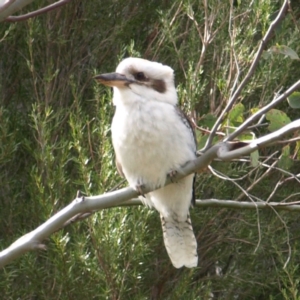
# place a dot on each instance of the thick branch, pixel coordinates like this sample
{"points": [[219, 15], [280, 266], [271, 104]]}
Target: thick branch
{"points": [[37, 12], [7, 10], [264, 141], [7, 4], [33, 240]]}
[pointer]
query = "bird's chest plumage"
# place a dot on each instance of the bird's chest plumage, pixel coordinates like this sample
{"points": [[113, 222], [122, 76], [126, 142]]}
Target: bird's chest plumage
{"points": [[146, 143]]}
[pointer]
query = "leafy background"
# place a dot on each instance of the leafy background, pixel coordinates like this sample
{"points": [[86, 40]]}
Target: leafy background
{"points": [[55, 140]]}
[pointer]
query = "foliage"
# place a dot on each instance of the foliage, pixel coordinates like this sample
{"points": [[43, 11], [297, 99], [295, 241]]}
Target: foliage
{"points": [[55, 139]]}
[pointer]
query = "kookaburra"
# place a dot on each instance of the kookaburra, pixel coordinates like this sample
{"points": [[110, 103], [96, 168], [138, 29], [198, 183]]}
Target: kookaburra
{"points": [[152, 138]]}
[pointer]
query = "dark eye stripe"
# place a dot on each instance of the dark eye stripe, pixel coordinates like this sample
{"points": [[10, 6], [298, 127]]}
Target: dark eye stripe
{"points": [[140, 76], [159, 85]]}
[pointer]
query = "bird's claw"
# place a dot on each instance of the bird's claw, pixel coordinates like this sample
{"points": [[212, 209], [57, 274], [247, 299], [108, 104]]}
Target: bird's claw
{"points": [[172, 174], [140, 189]]}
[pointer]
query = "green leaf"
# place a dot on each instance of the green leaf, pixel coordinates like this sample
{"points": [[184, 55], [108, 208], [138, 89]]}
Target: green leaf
{"points": [[266, 54], [294, 100], [208, 121], [285, 162], [254, 110], [277, 119], [236, 113], [285, 50], [247, 136], [201, 139], [297, 150], [254, 157]]}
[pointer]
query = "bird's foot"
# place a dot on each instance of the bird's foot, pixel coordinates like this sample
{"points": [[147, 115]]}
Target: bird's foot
{"points": [[172, 175], [140, 189]]}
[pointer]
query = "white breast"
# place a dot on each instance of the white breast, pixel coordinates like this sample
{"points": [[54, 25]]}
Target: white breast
{"points": [[150, 140]]}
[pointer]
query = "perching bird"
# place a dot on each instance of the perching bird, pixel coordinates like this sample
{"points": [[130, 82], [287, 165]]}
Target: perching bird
{"points": [[152, 138]]}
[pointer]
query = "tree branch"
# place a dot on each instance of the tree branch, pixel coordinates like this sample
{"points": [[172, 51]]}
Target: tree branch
{"points": [[252, 68], [33, 240], [11, 7], [295, 206], [262, 111], [37, 12], [7, 4], [258, 143]]}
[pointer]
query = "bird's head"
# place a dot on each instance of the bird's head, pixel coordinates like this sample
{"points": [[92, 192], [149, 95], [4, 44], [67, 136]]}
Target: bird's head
{"points": [[137, 78]]}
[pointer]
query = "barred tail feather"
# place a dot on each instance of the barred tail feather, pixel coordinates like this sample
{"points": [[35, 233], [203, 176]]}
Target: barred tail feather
{"points": [[180, 241]]}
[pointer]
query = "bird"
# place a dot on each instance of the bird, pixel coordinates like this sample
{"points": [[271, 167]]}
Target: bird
{"points": [[153, 138]]}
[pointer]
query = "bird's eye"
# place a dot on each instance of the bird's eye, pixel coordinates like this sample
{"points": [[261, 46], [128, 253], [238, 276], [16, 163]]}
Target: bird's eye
{"points": [[140, 76]]}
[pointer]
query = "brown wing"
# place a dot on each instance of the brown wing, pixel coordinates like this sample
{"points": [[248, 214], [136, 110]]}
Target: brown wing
{"points": [[188, 123]]}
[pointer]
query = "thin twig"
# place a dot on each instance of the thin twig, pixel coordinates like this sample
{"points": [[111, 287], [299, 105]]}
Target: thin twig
{"points": [[217, 173], [230, 204], [260, 178], [232, 42], [262, 111], [252, 68], [296, 139], [259, 143]]}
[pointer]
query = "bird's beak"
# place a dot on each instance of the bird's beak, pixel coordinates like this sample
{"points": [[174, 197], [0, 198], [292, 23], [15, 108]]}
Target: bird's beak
{"points": [[113, 79]]}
